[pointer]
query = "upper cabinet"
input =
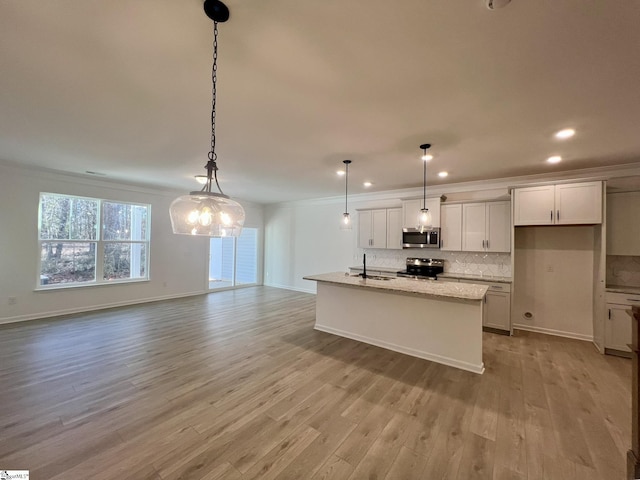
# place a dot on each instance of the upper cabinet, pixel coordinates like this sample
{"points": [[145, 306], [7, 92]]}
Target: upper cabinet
{"points": [[380, 228], [411, 211], [451, 227], [372, 228], [565, 204], [486, 227], [476, 227], [623, 224]]}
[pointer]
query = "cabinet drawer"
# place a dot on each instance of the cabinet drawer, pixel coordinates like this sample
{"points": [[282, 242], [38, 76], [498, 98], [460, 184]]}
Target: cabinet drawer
{"points": [[622, 298]]}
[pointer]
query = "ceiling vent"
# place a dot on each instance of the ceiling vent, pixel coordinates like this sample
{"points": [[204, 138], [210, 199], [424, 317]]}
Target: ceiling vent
{"points": [[495, 4]]}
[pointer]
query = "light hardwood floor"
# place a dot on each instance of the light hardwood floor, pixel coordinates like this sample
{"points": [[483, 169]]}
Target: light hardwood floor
{"points": [[238, 385]]}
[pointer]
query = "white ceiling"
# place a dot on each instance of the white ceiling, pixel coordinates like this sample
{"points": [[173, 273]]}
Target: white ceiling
{"points": [[124, 89]]}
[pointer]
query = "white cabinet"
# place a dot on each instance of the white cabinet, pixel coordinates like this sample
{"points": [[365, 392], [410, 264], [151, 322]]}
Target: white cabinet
{"points": [[565, 204], [380, 228], [451, 227], [497, 305], [617, 335], [372, 228], [486, 227], [394, 228], [411, 211], [623, 224]]}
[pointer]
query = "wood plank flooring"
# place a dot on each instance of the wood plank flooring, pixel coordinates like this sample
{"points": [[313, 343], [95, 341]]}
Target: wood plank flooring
{"points": [[238, 385]]}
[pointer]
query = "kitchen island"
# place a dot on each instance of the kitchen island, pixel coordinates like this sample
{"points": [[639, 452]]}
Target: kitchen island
{"points": [[435, 320]]}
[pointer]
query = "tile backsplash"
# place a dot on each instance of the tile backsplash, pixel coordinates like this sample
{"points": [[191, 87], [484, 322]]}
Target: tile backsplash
{"points": [[623, 270], [482, 264]]}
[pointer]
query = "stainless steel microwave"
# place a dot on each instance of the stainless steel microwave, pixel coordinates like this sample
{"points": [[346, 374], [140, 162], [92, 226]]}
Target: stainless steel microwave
{"points": [[421, 238]]}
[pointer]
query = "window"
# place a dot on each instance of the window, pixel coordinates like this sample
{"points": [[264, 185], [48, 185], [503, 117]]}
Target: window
{"points": [[74, 250], [233, 261]]}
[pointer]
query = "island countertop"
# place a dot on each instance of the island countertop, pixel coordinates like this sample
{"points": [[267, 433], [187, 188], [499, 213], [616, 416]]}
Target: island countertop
{"points": [[463, 291]]}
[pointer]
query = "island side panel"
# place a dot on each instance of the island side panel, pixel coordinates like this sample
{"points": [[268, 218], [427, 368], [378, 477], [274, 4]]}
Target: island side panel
{"points": [[447, 331]]}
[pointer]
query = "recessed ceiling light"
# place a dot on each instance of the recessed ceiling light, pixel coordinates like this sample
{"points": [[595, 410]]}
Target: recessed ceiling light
{"points": [[554, 159], [367, 184], [340, 172], [443, 174], [566, 133], [426, 157]]}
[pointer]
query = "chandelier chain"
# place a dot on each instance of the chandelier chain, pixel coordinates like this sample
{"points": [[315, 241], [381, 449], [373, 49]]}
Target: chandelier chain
{"points": [[214, 78]]}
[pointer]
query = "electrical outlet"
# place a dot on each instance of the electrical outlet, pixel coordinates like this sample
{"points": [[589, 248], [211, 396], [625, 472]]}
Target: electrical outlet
{"points": [[12, 300]]}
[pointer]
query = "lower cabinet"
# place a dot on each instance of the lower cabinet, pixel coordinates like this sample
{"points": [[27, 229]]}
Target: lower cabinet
{"points": [[617, 333], [497, 306]]}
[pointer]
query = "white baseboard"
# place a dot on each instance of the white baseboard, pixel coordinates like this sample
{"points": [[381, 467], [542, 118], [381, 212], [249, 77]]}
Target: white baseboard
{"points": [[407, 351], [557, 333], [91, 308]]}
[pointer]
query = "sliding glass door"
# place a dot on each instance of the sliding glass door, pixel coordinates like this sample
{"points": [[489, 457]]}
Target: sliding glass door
{"points": [[233, 261]]}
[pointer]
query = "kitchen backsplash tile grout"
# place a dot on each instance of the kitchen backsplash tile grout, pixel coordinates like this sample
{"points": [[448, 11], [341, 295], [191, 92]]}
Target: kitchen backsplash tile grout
{"points": [[479, 263]]}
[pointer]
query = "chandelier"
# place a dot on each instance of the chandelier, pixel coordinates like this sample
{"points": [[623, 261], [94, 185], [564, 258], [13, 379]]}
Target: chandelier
{"points": [[207, 212]]}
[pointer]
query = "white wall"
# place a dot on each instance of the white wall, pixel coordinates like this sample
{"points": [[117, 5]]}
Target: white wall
{"points": [[178, 263], [553, 279], [305, 239]]}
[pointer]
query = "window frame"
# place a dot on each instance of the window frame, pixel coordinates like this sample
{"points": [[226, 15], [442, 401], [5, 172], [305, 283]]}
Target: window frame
{"points": [[100, 243]]}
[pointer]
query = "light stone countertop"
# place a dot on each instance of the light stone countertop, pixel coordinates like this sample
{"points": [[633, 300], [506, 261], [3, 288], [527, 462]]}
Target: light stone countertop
{"points": [[622, 289], [463, 291]]}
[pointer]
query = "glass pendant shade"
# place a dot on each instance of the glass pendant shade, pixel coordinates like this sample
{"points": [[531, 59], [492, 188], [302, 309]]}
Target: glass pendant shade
{"points": [[424, 218], [206, 213], [345, 224]]}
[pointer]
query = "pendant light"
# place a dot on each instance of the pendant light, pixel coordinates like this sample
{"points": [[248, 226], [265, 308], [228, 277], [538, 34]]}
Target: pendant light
{"points": [[345, 224], [424, 217], [204, 212]]}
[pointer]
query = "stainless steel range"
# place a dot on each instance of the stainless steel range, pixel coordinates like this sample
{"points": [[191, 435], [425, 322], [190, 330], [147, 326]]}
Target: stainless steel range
{"points": [[425, 268]]}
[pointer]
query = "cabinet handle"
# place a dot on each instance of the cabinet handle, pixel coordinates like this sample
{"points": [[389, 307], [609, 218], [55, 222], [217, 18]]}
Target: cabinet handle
{"points": [[609, 314], [487, 243], [483, 243], [551, 215], [558, 215]]}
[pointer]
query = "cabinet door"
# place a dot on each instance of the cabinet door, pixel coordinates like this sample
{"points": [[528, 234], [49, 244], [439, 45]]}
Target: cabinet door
{"points": [[365, 223], [623, 224], [473, 227], [394, 228], [498, 227], [451, 227], [534, 205], [379, 228], [497, 311], [618, 331], [410, 212], [579, 203]]}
